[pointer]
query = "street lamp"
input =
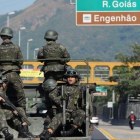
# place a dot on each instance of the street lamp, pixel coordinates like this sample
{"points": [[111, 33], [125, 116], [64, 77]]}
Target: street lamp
{"points": [[11, 13], [22, 28], [29, 40], [36, 49]]}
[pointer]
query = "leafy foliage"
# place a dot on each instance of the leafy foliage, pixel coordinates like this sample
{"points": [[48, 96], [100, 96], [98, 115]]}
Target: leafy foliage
{"points": [[128, 78]]}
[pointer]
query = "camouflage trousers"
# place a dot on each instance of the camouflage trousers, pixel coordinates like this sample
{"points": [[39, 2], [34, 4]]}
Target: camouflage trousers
{"points": [[15, 85], [78, 118], [50, 114], [6, 114]]}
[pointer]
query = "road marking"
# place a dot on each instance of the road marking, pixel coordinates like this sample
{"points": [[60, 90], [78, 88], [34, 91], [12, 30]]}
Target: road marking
{"points": [[124, 131], [111, 137], [102, 132]]}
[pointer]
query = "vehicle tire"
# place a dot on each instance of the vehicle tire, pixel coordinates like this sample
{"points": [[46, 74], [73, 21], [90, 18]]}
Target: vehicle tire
{"points": [[131, 127], [97, 123]]}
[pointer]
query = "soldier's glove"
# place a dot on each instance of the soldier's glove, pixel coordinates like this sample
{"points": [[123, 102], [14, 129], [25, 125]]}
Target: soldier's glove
{"points": [[68, 133], [58, 103]]}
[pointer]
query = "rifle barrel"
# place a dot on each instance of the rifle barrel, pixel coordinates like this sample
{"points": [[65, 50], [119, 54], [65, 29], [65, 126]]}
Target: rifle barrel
{"points": [[15, 109]]}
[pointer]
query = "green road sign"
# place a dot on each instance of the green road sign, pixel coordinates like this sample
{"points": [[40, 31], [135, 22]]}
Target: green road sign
{"points": [[108, 5], [101, 89]]}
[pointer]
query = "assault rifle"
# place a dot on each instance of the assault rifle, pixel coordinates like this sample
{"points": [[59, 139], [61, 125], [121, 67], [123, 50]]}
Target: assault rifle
{"points": [[15, 109]]}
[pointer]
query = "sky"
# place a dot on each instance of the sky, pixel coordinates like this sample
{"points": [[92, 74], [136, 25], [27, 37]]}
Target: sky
{"points": [[7, 6]]}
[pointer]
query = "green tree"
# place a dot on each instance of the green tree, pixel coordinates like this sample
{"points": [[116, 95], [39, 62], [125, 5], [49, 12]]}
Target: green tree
{"points": [[128, 78]]}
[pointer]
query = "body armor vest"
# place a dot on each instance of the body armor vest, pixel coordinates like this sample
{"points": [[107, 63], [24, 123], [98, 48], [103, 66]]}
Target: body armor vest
{"points": [[72, 95], [52, 51], [7, 52]]}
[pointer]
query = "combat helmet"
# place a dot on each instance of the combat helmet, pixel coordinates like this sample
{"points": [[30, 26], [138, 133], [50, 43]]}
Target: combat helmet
{"points": [[132, 112], [72, 73], [6, 31], [49, 85], [51, 35]]}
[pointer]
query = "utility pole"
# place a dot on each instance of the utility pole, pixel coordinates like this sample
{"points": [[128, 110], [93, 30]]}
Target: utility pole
{"points": [[113, 101]]}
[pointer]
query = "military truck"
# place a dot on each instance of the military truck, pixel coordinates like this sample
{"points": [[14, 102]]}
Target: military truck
{"points": [[36, 110]]}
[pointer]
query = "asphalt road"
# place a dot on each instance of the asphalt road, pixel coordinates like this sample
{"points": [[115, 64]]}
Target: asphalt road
{"points": [[98, 135], [105, 131], [119, 129], [122, 132]]}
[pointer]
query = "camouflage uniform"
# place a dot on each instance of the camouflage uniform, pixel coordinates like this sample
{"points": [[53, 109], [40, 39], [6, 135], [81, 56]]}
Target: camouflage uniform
{"points": [[3, 123], [54, 68], [10, 51], [72, 96], [51, 110], [6, 113]]}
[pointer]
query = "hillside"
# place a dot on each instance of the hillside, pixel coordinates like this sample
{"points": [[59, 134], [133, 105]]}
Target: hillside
{"points": [[82, 42]]}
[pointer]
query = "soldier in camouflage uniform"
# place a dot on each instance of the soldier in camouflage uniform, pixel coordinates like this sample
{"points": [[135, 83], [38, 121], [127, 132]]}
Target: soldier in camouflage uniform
{"points": [[72, 96], [8, 52], [58, 56], [53, 69], [48, 86], [6, 113]]}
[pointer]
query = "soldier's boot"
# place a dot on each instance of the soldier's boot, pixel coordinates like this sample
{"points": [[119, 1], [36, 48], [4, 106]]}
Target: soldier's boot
{"points": [[24, 132], [45, 135], [69, 132], [42, 134], [44, 131], [7, 135]]}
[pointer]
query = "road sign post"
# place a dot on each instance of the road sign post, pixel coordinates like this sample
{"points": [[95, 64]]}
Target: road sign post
{"points": [[107, 12], [109, 104]]}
